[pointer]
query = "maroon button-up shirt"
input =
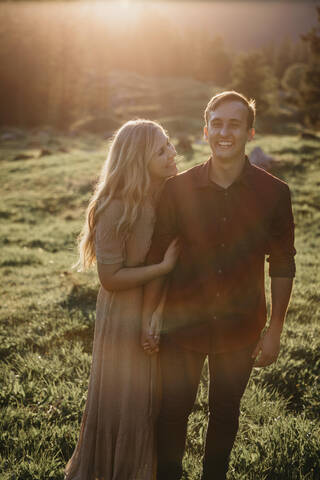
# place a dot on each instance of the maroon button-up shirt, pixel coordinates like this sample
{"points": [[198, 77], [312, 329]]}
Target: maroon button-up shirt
{"points": [[216, 295]]}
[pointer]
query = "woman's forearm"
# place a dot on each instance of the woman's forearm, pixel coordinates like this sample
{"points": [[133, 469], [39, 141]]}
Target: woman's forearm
{"points": [[123, 278]]}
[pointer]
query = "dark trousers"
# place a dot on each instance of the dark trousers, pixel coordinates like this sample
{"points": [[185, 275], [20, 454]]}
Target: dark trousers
{"points": [[181, 371]]}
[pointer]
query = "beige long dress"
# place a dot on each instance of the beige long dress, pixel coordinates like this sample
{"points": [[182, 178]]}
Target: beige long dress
{"points": [[116, 439]]}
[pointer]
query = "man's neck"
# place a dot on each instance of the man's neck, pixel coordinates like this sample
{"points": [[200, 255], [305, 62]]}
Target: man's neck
{"points": [[225, 173]]}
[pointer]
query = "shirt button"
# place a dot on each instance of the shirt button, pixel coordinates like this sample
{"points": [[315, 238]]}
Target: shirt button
{"points": [[219, 271], [222, 245], [217, 294], [224, 219]]}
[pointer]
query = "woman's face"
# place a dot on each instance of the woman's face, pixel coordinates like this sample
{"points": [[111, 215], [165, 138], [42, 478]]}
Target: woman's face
{"points": [[162, 164]]}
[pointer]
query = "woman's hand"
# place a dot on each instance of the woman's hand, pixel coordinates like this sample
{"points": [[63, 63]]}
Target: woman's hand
{"points": [[150, 336], [171, 256], [148, 342]]}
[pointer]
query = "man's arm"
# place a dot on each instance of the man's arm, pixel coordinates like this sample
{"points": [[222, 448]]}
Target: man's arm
{"points": [[282, 271], [164, 232], [151, 298], [268, 347]]}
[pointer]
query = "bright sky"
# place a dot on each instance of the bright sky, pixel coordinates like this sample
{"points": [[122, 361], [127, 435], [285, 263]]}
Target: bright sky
{"points": [[241, 23]]}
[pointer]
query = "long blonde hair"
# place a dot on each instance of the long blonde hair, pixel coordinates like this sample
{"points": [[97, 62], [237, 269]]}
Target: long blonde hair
{"points": [[124, 176]]}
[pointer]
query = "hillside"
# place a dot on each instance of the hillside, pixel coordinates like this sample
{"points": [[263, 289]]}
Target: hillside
{"points": [[47, 317]]}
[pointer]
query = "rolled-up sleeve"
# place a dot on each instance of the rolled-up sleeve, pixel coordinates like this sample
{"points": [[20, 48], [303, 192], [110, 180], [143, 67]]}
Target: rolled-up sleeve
{"points": [[281, 237], [165, 229]]}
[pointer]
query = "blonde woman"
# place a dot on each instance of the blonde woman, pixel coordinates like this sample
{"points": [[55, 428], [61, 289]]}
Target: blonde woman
{"points": [[116, 436]]}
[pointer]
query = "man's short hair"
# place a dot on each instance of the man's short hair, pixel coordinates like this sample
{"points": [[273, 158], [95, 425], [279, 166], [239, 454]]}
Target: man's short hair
{"points": [[231, 96]]}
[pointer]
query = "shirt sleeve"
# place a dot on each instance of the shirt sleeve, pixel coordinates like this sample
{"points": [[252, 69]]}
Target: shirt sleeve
{"points": [[165, 229], [110, 246], [281, 236]]}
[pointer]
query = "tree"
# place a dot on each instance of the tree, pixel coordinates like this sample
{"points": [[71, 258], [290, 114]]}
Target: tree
{"points": [[269, 52], [214, 62], [309, 98], [283, 57], [255, 79], [291, 82]]}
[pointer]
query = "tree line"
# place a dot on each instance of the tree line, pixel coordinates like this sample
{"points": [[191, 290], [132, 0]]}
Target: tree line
{"points": [[54, 65]]}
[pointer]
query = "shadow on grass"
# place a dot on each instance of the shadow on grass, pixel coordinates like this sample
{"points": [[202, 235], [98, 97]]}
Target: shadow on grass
{"points": [[84, 335], [292, 380], [69, 320], [285, 150], [281, 169], [21, 261], [81, 297]]}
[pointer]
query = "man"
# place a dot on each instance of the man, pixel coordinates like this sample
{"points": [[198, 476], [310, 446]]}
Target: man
{"points": [[228, 215]]}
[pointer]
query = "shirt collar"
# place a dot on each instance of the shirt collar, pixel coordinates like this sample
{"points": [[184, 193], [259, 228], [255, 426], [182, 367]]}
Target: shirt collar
{"points": [[203, 176]]}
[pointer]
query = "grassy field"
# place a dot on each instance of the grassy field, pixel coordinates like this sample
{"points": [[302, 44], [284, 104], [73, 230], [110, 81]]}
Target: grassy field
{"points": [[47, 318]]}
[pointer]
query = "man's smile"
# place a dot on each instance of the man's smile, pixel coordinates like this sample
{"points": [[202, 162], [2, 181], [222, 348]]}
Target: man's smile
{"points": [[224, 144]]}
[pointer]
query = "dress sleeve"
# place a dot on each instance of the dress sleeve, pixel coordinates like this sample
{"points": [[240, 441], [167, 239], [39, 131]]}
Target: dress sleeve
{"points": [[110, 246], [281, 247]]}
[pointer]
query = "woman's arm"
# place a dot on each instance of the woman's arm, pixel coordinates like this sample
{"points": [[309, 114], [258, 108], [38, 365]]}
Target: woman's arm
{"points": [[116, 276]]}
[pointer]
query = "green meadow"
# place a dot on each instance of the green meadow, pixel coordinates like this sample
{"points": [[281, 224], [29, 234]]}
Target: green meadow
{"points": [[47, 314]]}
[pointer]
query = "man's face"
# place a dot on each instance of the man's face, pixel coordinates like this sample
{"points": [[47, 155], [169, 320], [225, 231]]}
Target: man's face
{"points": [[227, 131]]}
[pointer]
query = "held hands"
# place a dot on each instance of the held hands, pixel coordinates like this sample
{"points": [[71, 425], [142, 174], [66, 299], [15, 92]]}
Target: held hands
{"points": [[150, 337], [267, 349], [171, 256], [150, 329]]}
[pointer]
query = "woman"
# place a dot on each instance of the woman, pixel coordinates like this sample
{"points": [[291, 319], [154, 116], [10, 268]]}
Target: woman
{"points": [[116, 436]]}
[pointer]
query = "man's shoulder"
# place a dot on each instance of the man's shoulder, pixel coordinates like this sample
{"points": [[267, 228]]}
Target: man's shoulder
{"points": [[188, 177], [267, 180]]}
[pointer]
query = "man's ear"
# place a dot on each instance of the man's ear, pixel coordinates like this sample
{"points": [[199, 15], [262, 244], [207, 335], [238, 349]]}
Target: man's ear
{"points": [[205, 133], [251, 134]]}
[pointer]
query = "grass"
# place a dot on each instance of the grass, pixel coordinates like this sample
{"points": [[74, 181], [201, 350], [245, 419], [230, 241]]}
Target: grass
{"points": [[47, 319]]}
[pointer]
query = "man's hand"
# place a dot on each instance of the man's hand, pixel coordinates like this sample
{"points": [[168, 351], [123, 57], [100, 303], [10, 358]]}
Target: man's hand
{"points": [[267, 349]]}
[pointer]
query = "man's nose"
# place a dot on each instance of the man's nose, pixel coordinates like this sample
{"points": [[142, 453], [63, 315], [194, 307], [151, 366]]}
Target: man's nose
{"points": [[224, 130]]}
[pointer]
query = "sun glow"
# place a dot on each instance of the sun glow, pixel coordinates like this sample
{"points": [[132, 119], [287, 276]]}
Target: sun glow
{"points": [[116, 13], [125, 3]]}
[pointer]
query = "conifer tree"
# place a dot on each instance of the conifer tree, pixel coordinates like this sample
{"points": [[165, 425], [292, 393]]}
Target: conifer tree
{"points": [[309, 98], [283, 57], [254, 78], [214, 61]]}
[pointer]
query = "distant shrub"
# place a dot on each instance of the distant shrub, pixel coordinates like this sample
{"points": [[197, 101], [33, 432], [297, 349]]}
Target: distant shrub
{"points": [[95, 124], [19, 260]]}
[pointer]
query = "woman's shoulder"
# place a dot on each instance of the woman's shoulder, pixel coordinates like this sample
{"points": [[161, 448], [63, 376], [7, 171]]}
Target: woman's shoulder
{"points": [[110, 211]]}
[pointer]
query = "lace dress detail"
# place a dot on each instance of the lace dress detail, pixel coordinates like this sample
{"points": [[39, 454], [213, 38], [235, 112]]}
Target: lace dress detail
{"points": [[116, 440]]}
